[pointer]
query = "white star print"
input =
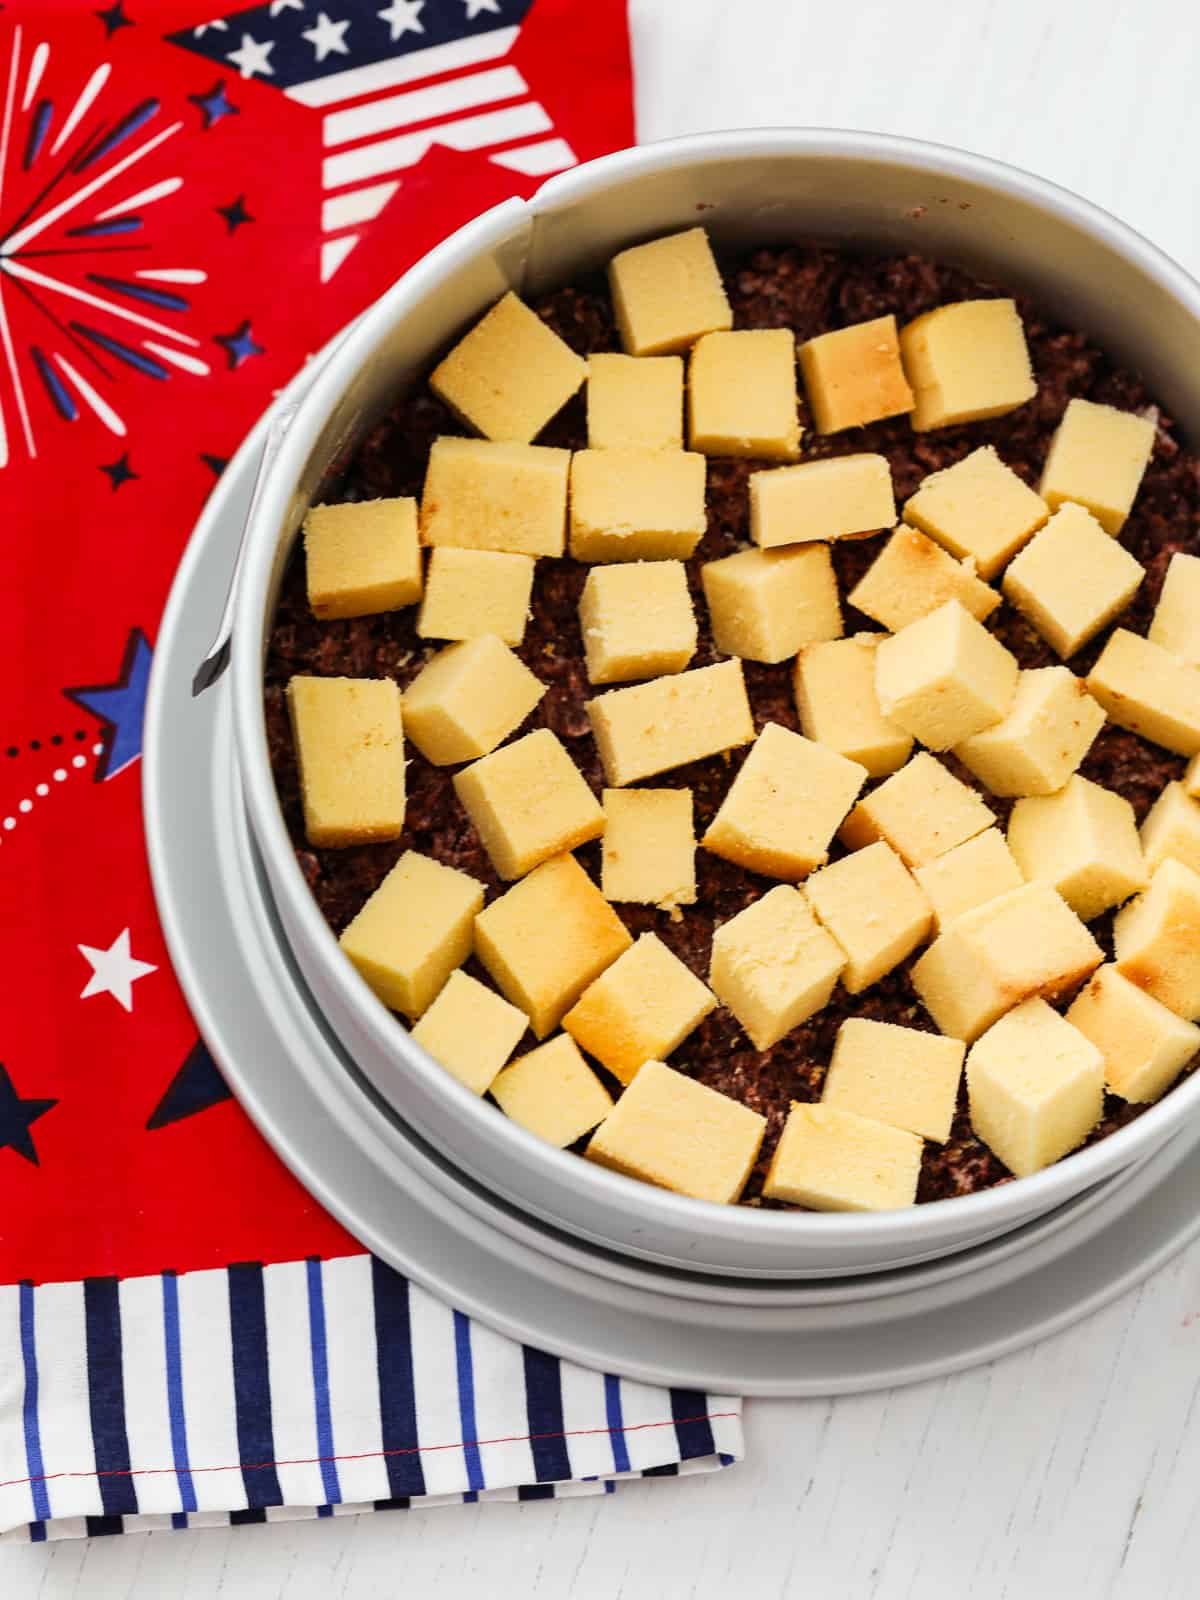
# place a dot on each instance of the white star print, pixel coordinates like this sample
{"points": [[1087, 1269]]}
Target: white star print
{"points": [[286, 5], [202, 28], [327, 37], [402, 17], [114, 971], [251, 57], [474, 7]]}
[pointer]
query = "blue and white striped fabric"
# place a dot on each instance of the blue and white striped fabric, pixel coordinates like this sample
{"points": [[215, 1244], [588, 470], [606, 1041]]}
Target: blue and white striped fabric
{"points": [[308, 1388]]}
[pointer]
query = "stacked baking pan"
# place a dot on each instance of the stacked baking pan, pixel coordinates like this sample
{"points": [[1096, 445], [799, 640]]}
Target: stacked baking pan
{"points": [[557, 1250]]}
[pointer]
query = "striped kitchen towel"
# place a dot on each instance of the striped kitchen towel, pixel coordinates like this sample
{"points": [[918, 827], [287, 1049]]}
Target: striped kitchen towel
{"points": [[304, 1389]]}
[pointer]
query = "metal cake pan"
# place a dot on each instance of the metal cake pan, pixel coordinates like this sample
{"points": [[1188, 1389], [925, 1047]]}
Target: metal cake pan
{"points": [[855, 189]]}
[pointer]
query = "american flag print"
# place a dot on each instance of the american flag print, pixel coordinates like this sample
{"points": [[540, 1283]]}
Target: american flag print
{"points": [[389, 85]]}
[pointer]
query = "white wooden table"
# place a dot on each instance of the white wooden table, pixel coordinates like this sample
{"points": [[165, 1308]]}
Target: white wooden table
{"points": [[1072, 1470]]}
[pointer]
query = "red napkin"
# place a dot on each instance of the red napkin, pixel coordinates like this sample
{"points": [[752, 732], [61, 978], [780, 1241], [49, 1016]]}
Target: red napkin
{"points": [[189, 206]]}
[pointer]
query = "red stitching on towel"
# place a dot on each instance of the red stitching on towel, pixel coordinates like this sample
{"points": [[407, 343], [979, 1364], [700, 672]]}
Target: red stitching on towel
{"points": [[367, 1455]]}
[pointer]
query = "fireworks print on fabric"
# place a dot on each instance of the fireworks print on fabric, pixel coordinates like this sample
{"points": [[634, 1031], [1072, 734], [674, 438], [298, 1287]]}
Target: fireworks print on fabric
{"points": [[180, 230], [84, 292]]}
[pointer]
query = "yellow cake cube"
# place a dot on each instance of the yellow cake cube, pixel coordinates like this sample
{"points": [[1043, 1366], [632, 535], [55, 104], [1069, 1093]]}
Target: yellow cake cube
{"points": [[510, 374], [742, 395], [1176, 624], [467, 698], [945, 677], [667, 293], [655, 726], [1172, 828], [553, 1092], [966, 362], [1144, 1044], [641, 1008], [764, 604], [636, 505], [774, 965], [1071, 580], [785, 805], [972, 873], [481, 494], [874, 908], [472, 592], [853, 375], [978, 509], [471, 1031], [901, 1076], [362, 558], [635, 403], [528, 802], [1149, 691], [1097, 458], [818, 500], [349, 738], [1083, 841], [1036, 1087], [413, 931], [912, 576], [921, 811], [545, 939], [649, 847], [1157, 938], [678, 1134], [1026, 942], [637, 621], [1050, 727], [830, 1159], [834, 685]]}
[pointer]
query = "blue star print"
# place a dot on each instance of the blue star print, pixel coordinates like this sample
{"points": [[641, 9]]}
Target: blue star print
{"points": [[121, 706], [239, 346], [214, 105], [16, 1118], [197, 1086]]}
